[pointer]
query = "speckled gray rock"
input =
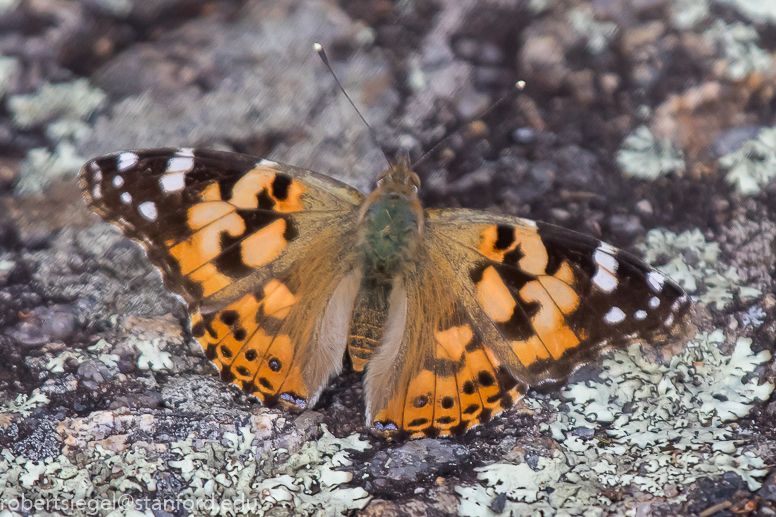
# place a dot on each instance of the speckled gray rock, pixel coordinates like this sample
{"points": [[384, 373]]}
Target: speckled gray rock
{"points": [[286, 92], [196, 394], [103, 273], [45, 324], [415, 459]]}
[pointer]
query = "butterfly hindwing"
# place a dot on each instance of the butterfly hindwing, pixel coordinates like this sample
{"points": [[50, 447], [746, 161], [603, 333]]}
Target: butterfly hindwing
{"points": [[234, 236], [434, 374]]}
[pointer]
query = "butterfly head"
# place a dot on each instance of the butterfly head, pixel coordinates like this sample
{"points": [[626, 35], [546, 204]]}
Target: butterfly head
{"points": [[399, 179]]}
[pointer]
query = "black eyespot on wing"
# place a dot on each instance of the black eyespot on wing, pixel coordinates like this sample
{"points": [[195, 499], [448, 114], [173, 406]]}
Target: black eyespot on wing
{"points": [[229, 318], [485, 379], [280, 186], [468, 387], [505, 236]]}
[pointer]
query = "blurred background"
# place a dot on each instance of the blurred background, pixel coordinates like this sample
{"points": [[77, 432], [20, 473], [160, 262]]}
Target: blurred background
{"points": [[648, 123]]}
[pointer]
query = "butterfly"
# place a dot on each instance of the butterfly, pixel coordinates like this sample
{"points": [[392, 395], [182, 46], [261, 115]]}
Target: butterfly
{"points": [[450, 313]]}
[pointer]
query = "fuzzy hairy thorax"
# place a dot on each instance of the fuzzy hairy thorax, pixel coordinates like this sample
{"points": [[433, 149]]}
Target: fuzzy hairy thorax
{"points": [[391, 222]]}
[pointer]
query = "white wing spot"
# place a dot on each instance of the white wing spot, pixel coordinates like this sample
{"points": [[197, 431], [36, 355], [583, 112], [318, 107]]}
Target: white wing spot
{"points": [[173, 181], [147, 210], [97, 175], [267, 163], [118, 181], [127, 160], [614, 316], [640, 315], [654, 302], [180, 164], [655, 281], [605, 260], [605, 281], [126, 198], [669, 320], [186, 152], [97, 192]]}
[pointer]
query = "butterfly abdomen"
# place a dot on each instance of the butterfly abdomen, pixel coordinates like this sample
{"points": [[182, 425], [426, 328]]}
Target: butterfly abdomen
{"points": [[389, 235]]}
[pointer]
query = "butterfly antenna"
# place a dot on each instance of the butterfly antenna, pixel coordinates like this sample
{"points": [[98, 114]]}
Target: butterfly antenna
{"points": [[322, 54], [519, 85]]}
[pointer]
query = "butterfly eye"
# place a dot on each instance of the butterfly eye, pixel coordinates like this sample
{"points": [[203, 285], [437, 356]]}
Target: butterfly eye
{"points": [[415, 189]]}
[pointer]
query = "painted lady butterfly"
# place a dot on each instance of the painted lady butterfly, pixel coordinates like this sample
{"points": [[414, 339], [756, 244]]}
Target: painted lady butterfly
{"points": [[451, 313]]}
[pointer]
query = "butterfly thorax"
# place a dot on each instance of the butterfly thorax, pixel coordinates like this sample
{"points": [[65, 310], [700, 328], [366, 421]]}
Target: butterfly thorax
{"points": [[391, 223]]}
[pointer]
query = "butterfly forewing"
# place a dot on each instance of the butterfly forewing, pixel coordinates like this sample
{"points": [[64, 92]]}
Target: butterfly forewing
{"points": [[233, 235]]}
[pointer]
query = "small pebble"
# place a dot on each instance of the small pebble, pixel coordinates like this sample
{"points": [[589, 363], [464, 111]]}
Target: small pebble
{"points": [[626, 225], [490, 54], [467, 48], [477, 129], [644, 207], [523, 135]]}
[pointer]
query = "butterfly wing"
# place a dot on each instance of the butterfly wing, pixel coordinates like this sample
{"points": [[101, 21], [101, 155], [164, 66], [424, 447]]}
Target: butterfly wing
{"points": [[433, 374], [526, 303], [253, 247]]}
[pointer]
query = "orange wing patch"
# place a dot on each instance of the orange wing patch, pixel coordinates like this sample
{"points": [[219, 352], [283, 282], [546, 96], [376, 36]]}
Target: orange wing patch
{"points": [[461, 386], [263, 187], [529, 310], [499, 242], [246, 342]]}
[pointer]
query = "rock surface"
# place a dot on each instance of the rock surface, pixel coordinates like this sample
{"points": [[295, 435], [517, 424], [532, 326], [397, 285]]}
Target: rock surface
{"points": [[649, 124]]}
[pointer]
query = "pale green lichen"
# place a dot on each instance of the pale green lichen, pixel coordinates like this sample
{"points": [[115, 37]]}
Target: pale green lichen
{"points": [[753, 165], [99, 473], [643, 157], [758, 11], [76, 100], [539, 6], [62, 110], [57, 364], [754, 317], [6, 266], [41, 167], [24, 404], [8, 5], [686, 14], [9, 67], [597, 33], [676, 429], [694, 264], [152, 357], [737, 44], [306, 481]]}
